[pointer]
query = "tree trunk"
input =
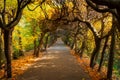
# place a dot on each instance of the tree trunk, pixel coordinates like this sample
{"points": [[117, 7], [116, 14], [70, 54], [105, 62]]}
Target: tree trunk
{"points": [[35, 47], [72, 44], [75, 41], [46, 41], [103, 52], [20, 44], [7, 51], [111, 56], [82, 49], [35, 41], [39, 45], [95, 52]]}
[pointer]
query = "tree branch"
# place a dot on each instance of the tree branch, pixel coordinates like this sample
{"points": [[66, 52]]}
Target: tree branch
{"points": [[33, 8], [97, 8]]}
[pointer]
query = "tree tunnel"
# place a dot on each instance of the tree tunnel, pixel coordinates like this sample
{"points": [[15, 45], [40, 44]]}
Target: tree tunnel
{"points": [[89, 27]]}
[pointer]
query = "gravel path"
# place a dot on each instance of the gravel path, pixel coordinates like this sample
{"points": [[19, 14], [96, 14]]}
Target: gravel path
{"points": [[56, 64]]}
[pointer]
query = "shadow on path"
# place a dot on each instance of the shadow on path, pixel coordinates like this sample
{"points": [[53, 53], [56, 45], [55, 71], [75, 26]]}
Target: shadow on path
{"points": [[57, 64]]}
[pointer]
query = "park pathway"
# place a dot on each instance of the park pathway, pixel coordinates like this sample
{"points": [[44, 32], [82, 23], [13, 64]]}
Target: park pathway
{"points": [[56, 64]]}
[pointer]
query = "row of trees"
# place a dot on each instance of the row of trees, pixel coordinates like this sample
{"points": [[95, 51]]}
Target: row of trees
{"points": [[96, 33], [10, 16], [87, 31]]}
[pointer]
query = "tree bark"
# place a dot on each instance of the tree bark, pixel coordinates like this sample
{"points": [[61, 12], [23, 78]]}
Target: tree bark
{"points": [[72, 45], [46, 41], [102, 54], [75, 41], [7, 52], [95, 52], [39, 45], [20, 44], [82, 49], [111, 55], [35, 47]]}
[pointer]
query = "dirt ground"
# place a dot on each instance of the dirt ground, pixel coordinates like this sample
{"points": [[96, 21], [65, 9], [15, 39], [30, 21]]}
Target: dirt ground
{"points": [[56, 64]]}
